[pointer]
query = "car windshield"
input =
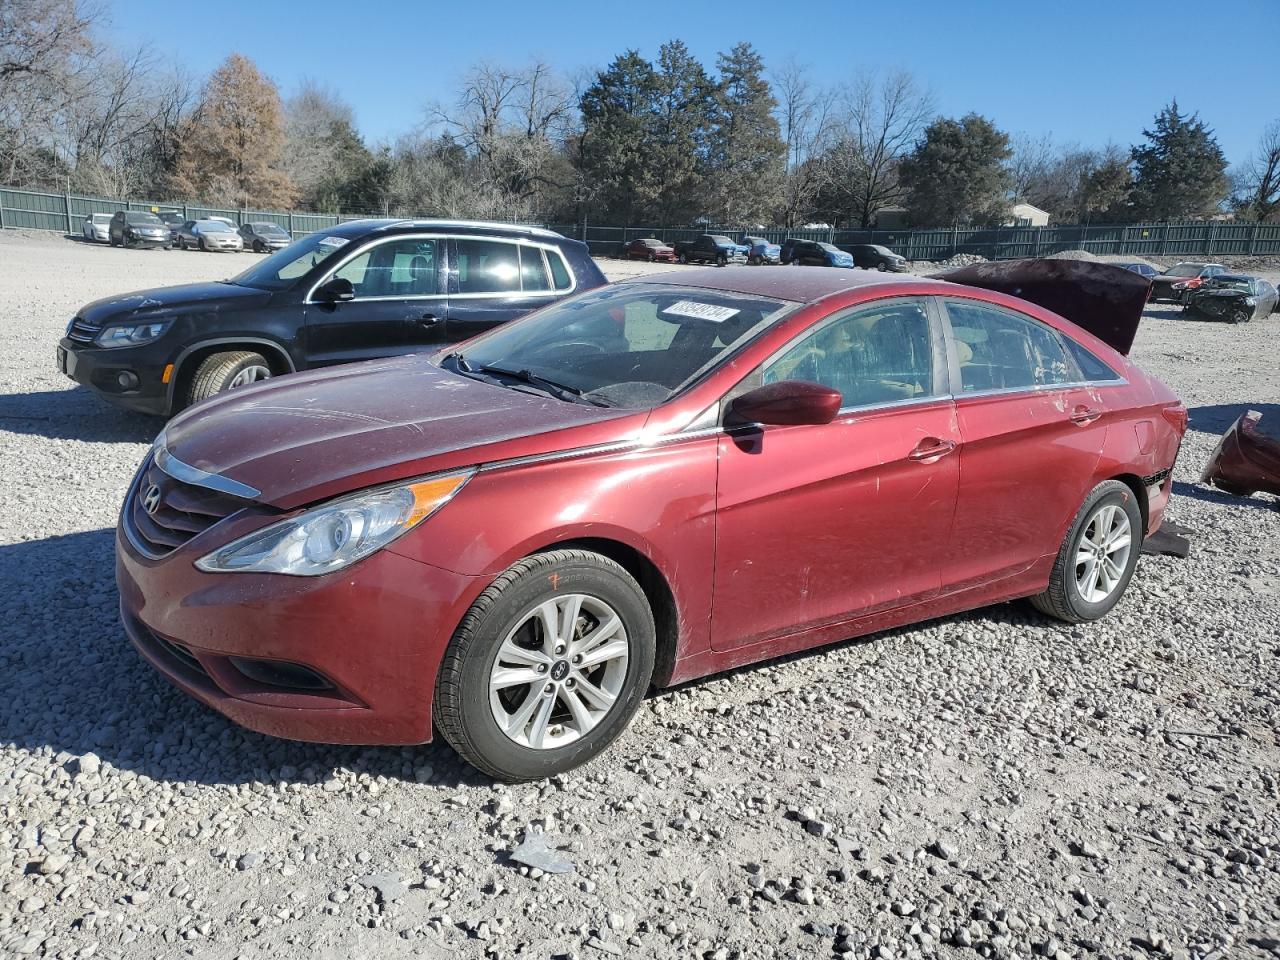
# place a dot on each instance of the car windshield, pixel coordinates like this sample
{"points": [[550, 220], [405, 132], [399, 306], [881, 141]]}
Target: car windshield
{"points": [[101, 218], [143, 219], [719, 239], [632, 345], [884, 251], [1233, 283], [285, 266], [213, 226], [269, 229], [830, 248], [1185, 270], [171, 217]]}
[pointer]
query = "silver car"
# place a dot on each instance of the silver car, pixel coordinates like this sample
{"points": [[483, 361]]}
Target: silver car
{"points": [[97, 227], [209, 235]]}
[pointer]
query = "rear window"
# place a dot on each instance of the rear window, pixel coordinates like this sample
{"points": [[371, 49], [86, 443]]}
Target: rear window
{"points": [[1090, 366], [559, 272]]}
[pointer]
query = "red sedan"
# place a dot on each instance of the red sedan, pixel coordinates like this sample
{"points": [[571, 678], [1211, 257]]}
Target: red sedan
{"points": [[649, 249], [642, 484]]}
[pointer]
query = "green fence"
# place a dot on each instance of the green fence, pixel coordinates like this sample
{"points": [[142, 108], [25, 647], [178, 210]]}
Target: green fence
{"points": [[33, 210]]}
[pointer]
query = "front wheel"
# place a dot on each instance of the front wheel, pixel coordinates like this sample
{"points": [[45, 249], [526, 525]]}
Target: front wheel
{"points": [[548, 666], [226, 371], [682, 258], [721, 260], [1098, 557], [203, 246], [881, 266], [1239, 315]]}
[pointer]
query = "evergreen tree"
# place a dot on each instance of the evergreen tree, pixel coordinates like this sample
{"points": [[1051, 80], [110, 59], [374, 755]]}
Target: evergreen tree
{"points": [[957, 173], [746, 154], [1180, 171], [684, 98], [617, 112]]}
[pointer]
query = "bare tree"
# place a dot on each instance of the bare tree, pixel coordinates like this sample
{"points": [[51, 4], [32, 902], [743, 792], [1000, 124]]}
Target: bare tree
{"points": [[1031, 165], [807, 116], [883, 118], [1257, 183]]}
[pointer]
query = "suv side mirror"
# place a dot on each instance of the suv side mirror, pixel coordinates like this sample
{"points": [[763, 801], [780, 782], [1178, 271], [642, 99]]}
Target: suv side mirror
{"points": [[336, 290], [787, 402]]}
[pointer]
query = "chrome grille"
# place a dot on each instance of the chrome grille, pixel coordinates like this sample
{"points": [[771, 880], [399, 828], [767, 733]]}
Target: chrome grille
{"points": [[82, 331], [178, 511]]}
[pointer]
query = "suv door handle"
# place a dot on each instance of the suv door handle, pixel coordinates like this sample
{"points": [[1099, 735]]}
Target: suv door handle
{"points": [[1083, 415], [931, 449], [428, 320]]}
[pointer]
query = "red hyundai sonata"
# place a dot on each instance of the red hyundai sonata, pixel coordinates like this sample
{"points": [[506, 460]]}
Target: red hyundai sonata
{"points": [[648, 482]]}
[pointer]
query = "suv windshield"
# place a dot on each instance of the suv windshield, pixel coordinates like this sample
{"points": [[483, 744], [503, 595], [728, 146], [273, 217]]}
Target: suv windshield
{"points": [[632, 345], [143, 219], [284, 266], [1185, 270]]}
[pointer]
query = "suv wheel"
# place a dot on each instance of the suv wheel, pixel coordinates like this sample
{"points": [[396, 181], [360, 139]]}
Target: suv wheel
{"points": [[1098, 557], [548, 666], [226, 371]]}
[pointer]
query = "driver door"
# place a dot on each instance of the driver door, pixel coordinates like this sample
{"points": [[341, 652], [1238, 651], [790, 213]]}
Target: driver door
{"points": [[820, 524], [400, 305]]}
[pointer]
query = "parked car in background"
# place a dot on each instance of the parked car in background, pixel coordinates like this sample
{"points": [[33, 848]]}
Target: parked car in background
{"points": [[209, 235], [649, 248], [264, 236], [814, 253], [1233, 297], [1172, 285], [97, 227], [642, 485], [872, 256], [174, 221], [1141, 269], [709, 248], [227, 220], [760, 250], [357, 291], [137, 229]]}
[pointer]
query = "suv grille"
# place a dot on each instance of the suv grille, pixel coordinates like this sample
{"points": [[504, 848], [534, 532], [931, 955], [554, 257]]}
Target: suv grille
{"points": [[180, 511], [82, 331]]}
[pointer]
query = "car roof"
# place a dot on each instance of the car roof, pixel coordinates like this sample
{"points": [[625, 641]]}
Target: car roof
{"points": [[799, 286], [478, 226], [1234, 276]]}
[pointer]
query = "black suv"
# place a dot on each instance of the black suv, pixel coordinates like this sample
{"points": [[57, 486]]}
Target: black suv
{"points": [[872, 256], [358, 291]]}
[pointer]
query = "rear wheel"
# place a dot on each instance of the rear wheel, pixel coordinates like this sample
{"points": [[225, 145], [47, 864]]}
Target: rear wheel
{"points": [[1096, 561], [258, 247], [226, 371], [548, 666]]}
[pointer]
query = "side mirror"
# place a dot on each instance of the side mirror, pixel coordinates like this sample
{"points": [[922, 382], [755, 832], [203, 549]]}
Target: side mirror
{"points": [[336, 290], [787, 402]]}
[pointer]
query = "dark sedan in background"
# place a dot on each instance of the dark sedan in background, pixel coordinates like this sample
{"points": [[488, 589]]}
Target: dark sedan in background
{"points": [[264, 237], [1173, 285], [1235, 298], [131, 228], [358, 291], [649, 248]]}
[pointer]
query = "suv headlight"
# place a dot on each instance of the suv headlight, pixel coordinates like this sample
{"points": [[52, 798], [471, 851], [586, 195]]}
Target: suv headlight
{"points": [[131, 335], [338, 533]]}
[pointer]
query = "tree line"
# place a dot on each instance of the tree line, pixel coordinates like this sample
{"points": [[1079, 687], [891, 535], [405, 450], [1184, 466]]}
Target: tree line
{"points": [[663, 141]]}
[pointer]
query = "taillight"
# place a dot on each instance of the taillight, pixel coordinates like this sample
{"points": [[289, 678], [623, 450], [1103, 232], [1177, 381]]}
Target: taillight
{"points": [[1176, 414]]}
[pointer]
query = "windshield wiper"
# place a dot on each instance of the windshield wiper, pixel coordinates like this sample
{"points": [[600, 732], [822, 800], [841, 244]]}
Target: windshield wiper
{"points": [[561, 390]]}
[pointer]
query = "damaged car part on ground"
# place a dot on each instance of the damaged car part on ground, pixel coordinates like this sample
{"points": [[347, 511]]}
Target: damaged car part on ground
{"points": [[1246, 460], [644, 483], [357, 291]]}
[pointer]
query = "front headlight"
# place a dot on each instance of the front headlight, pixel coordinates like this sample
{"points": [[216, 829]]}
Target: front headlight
{"points": [[132, 335], [1250, 302], [336, 534]]}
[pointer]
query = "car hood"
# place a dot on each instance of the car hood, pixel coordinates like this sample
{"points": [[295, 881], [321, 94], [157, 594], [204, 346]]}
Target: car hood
{"points": [[303, 438], [145, 304]]}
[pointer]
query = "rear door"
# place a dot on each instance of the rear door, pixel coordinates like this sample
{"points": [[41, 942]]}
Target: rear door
{"points": [[400, 302], [494, 280], [1032, 430], [826, 523]]}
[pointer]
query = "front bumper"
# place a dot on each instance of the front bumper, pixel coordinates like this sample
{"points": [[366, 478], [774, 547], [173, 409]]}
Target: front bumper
{"points": [[100, 369], [373, 634]]}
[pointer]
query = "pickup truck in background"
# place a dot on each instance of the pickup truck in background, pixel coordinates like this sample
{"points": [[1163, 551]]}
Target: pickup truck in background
{"points": [[710, 248]]}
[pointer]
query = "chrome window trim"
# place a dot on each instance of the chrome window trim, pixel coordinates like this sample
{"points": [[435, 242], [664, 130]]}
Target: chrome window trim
{"points": [[360, 251], [546, 248], [895, 404], [1041, 388], [201, 478]]}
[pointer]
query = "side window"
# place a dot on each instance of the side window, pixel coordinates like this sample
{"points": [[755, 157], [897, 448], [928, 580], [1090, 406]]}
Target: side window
{"points": [[533, 272], [487, 266], [877, 354], [1090, 366], [399, 268], [559, 272], [1001, 351]]}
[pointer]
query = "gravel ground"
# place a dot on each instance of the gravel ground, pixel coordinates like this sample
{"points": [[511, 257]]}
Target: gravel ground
{"points": [[992, 784]]}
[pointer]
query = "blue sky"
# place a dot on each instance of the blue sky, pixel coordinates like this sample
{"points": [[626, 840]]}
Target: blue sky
{"points": [[1088, 71]]}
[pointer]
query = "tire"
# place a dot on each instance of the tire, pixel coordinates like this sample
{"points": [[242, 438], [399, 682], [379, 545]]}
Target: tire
{"points": [[721, 260], [881, 267], [467, 708], [221, 371], [1064, 598], [1238, 316], [652, 258], [753, 261], [202, 245], [682, 259], [258, 247]]}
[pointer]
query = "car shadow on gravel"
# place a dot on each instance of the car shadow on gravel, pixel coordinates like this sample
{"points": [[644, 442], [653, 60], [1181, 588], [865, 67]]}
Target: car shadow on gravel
{"points": [[74, 685], [1215, 418], [1207, 494], [74, 414]]}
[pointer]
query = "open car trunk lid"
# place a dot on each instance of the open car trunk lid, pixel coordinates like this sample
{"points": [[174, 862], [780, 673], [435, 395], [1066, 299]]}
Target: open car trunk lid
{"points": [[1102, 298]]}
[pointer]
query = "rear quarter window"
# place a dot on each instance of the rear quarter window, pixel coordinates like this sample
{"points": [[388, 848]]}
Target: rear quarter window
{"points": [[559, 271], [1090, 366]]}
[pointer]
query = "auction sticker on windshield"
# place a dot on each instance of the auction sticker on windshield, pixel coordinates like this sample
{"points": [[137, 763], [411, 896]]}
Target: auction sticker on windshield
{"points": [[333, 241], [701, 311]]}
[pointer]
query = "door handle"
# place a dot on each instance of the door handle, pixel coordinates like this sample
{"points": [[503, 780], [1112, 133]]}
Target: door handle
{"points": [[1083, 415], [931, 449], [428, 320]]}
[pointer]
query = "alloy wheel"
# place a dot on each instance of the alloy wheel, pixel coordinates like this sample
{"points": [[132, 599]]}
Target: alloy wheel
{"points": [[1102, 554], [559, 671], [250, 374]]}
